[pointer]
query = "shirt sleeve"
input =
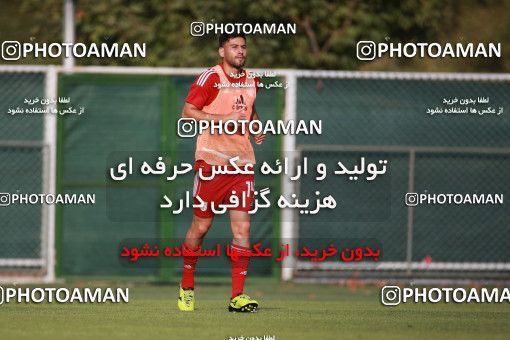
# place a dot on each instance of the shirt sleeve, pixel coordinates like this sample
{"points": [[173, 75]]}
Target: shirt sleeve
{"points": [[203, 91]]}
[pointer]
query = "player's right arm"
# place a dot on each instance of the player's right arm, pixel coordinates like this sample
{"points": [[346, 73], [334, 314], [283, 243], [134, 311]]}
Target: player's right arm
{"points": [[191, 111]]}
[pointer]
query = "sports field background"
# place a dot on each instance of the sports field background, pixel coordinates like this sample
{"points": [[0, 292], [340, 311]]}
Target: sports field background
{"points": [[287, 311], [133, 112]]}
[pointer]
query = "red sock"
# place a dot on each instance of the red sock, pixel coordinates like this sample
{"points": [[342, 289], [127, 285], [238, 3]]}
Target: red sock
{"points": [[188, 271], [239, 267]]}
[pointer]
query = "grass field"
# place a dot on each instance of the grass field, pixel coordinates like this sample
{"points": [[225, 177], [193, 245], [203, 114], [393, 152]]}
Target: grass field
{"points": [[287, 311]]}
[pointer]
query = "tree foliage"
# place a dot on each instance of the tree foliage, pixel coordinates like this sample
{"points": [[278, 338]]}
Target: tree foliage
{"points": [[327, 30]]}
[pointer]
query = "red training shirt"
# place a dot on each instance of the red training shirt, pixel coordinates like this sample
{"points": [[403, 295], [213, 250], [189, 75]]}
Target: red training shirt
{"points": [[203, 92]]}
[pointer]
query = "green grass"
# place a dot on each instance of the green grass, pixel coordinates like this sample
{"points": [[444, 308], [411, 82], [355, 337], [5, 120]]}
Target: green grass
{"points": [[287, 311]]}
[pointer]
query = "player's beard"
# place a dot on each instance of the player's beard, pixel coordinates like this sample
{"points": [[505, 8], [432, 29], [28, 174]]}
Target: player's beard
{"points": [[236, 63]]}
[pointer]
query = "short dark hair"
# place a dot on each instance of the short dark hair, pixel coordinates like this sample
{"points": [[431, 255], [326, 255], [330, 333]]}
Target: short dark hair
{"points": [[224, 37]]}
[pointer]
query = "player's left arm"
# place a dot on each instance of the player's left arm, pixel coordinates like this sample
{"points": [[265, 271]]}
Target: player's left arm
{"points": [[259, 139]]}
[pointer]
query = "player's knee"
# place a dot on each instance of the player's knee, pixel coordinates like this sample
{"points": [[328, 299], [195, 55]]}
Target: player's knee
{"points": [[242, 230], [201, 227]]}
